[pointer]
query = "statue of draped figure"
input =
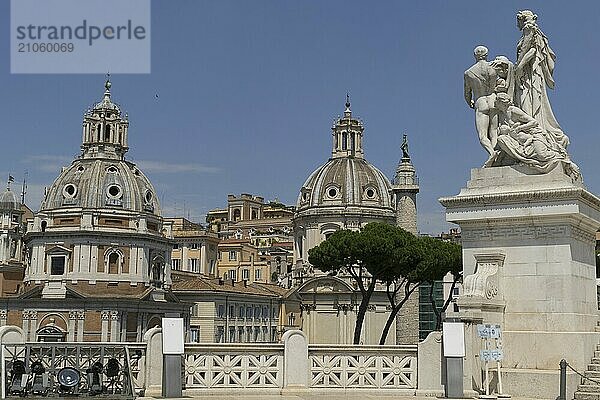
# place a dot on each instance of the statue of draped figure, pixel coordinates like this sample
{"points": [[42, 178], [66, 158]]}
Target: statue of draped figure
{"points": [[533, 72]]}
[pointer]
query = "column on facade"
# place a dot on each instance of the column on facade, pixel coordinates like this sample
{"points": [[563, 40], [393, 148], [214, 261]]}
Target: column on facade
{"points": [[71, 326], [33, 322], [203, 266], [184, 258], [123, 323], [80, 325], [105, 316], [114, 326]]}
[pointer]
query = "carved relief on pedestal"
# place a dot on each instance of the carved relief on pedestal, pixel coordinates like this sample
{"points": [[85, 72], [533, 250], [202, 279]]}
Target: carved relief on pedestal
{"points": [[485, 281]]}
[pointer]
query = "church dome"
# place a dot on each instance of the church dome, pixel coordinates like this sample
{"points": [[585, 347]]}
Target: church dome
{"points": [[101, 177], [347, 179], [9, 201], [102, 183]]}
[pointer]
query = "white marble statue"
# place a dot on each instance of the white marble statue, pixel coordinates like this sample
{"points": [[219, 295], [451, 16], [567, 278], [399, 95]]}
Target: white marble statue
{"points": [[533, 73], [522, 139], [514, 120], [480, 81]]}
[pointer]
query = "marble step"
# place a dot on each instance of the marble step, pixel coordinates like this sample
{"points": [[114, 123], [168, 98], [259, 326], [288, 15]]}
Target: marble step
{"points": [[586, 396], [589, 388], [595, 375]]}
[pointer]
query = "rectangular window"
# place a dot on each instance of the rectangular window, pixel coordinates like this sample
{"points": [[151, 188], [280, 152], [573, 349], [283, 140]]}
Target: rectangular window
{"points": [[57, 265], [265, 313], [241, 312], [231, 311], [246, 274], [232, 273], [232, 255], [176, 246], [240, 334], [195, 335], [257, 274], [248, 334], [193, 265], [256, 312], [256, 333], [211, 270], [219, 335], [221, 311], [232, 334], [248, 312], [456, 292], [196, 310], [176, 264], [193, 246]]}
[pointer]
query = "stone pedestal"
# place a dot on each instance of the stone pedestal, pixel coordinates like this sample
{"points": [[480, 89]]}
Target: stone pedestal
{"points": [[529, 264]]}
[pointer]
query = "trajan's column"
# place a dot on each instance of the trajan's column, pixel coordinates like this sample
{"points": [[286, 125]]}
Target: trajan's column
{"points": [[528, 226]]}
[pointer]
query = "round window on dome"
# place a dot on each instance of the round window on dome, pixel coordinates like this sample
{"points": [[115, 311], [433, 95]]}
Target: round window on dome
{"points": [[148, 197], [370, 193], [112, 169], [332, 192], [70, 191], [80, 169], [114, 191]]}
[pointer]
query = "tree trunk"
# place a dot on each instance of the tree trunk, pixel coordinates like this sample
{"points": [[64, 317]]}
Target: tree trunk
{"points": [[362, 310], [388, 325], [395, 310], [438, 314]]}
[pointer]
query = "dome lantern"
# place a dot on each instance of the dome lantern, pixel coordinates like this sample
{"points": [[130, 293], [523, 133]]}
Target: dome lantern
{"points": [[104, 129], [347, 133]]}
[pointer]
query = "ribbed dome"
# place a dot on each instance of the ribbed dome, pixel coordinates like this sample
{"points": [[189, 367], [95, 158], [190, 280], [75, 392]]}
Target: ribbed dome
{"points": [[346, 181], [8, 201], [102, 183]]}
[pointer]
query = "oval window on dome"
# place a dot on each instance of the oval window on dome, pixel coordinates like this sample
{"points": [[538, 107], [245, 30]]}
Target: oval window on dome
{"points": [[114, 191], [80, 169], [70, 191], [112, 169], [148, 197]]}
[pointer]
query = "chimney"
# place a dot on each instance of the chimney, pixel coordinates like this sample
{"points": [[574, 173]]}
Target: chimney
{"points": [[245, 282], [233, 282]]}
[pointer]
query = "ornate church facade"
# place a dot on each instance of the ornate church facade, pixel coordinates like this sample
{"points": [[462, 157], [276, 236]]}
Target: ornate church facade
{"points": [[97, 254], [348, 192]]}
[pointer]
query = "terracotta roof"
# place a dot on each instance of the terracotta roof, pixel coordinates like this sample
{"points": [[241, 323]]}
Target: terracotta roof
{"points": [[206, 284]]}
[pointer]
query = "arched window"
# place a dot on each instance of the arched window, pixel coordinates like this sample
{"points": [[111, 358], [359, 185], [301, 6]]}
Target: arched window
{"points": [[113, 263], [345, 141], [98, 130], [113, 260], [352, 141], [107, 133], [237, 214]]}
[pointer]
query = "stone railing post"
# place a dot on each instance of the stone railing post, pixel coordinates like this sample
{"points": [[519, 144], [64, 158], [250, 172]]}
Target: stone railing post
{"points": [[429, 371], [154, 362], [296, 368]]}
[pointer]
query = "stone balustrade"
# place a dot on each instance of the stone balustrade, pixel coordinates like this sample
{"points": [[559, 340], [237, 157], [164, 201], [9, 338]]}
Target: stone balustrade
{"points": [[288, 367]]}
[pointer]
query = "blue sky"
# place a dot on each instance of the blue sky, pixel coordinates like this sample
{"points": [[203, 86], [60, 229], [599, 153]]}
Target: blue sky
{"points": [[242, 95]]}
